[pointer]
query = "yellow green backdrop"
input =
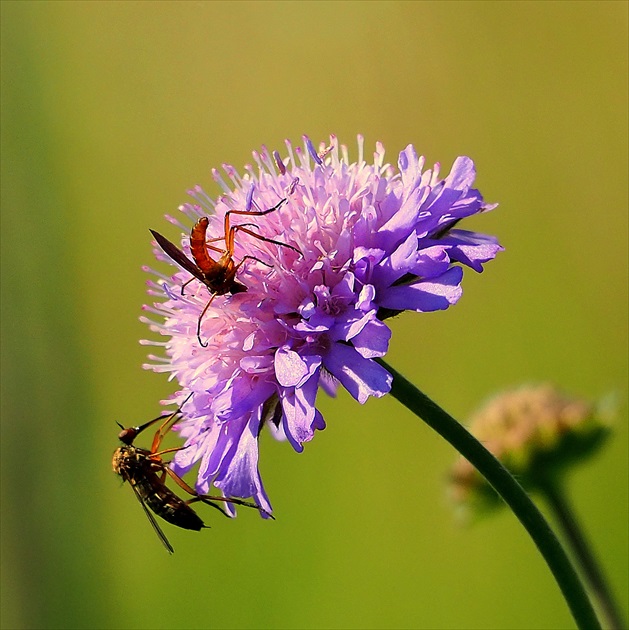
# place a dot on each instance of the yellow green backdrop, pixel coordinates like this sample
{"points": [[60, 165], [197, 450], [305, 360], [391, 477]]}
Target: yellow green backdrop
{"points": [[111, 111]]}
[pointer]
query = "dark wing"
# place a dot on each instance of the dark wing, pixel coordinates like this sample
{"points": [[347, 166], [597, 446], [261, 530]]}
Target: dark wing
{"points": [[149, 514], [172, 251]]}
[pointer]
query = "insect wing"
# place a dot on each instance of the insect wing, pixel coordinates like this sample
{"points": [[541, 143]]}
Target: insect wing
{"points": [[156, 527], [173, 252]]}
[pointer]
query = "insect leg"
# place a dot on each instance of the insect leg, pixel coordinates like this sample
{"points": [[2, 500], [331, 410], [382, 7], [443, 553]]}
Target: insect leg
{"points": [[215, 249], [277, 206], [264, 238], [204, 345], [185, 284], [239, 265], [229, 232], [161, 432], [174, 449], [165, 427], [195, 495], [206, 498], [211, 504]]}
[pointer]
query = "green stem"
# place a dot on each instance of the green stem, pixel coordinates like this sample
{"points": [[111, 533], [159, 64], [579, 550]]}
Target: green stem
{"points": [[508, 488], [574, 534]]}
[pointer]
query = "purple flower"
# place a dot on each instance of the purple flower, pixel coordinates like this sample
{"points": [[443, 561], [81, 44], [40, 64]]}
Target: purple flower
{"points": [[374, 241]]}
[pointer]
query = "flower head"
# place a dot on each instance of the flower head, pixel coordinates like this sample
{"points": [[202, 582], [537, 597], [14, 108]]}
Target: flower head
{"points": [[537, 432], [368, 241]]}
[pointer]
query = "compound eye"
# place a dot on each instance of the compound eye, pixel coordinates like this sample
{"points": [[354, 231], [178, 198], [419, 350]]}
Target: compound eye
{"points": [[126, 436]]}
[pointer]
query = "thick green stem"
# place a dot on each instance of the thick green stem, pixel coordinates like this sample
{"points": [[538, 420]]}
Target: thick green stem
{"points": [[565, 516], [508, 488]]}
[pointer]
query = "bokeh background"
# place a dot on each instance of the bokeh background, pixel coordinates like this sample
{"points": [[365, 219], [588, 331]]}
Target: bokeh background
{"points": [[111, 111]]}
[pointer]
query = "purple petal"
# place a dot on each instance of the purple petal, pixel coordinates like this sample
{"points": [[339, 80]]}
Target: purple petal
{"points": [[462, 174], [319, 322], [366, 259], [345, 288], [472, 249], [431, 262], [197, 448], [350, 325], [228, 436], [241, 396], [298, 405], [328, 383], [425, 296], [318, 423], [400, 262], [373, 339], [403, 220], [410, 167], [365, 299], [241, 477], [361, 377], [374, 256], [292, 369], [256, 364], [313, 153], [289, 367]]}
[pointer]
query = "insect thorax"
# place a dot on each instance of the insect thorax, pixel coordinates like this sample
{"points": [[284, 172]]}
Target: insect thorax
{"points": [[120, 459], [125, 460], [221, 275]]}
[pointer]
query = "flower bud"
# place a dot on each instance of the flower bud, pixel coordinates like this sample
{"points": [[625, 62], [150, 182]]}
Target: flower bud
{"points": [[537, 432]]}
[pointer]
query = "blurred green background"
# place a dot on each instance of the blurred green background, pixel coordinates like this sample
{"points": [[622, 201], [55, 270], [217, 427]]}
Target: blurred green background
{"points": [[111, 111]]}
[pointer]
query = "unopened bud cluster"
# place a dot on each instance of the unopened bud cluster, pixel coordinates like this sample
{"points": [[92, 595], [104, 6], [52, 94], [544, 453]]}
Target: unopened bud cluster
{"points": [[537, 432]]}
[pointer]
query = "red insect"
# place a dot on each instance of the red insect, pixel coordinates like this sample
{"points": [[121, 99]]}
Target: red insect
{"points": [[219, 276], [146, 473]]}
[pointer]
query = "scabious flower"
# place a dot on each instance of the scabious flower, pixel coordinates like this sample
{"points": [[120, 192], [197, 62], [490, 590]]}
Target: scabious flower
{"points": [[537, 432], [374, 241]]}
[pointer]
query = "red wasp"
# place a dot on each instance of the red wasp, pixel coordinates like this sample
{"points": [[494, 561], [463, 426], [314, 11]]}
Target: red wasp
{"points": [[219, 276], [146, 473]]}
